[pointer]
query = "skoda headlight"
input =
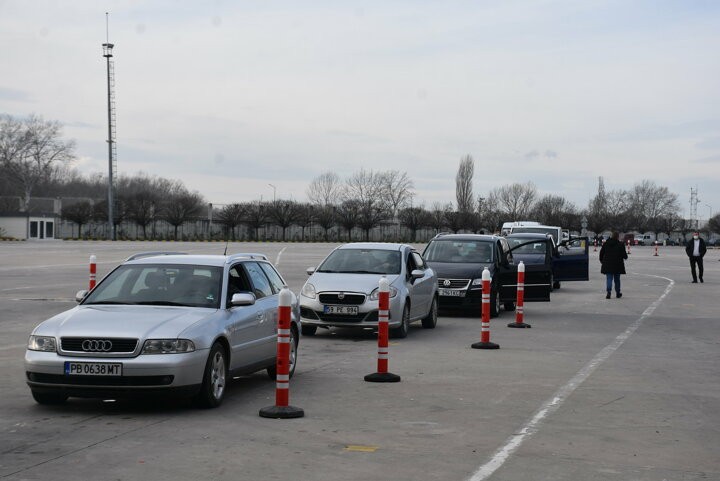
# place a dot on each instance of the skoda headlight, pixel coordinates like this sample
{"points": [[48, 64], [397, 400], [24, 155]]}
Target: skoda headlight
{"points": [[375, 295], [308, 290], [167, 346], [42, 343]]}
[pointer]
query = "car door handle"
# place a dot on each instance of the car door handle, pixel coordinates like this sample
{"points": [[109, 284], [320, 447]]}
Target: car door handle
{"points": [[260, 317]]}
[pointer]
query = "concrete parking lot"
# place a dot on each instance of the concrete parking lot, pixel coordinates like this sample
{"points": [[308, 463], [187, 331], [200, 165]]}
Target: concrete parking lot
{"points": [[619, 389]]}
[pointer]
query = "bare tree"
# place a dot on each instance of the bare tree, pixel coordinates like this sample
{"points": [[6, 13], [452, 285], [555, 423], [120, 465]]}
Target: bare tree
{"points": [[181, 206], [305, 217], [326, 217], [348, 215], [325, 189], [463, 185], [284, 213], [516, 200], [80, 213], [32, 152], [256, 216], [438, 216], [398, 189], [554, 210], [650, 203], [414, 218], [713, 224], [367, 190], [619, 211], [231, 216]]}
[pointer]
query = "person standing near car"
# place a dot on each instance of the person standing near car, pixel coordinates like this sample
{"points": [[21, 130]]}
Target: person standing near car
{"points": [[612, 259], [696, 250]]}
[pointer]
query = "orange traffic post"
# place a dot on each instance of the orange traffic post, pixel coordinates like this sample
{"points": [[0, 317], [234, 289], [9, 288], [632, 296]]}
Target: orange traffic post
{"points": [[595, 246], [485, 328], [382, 374], [282, 408], [519, 304], [656, 250], [93, 272], [628, 245]]}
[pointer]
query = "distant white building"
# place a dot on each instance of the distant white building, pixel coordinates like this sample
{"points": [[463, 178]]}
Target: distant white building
{"points": [[38, 222]]}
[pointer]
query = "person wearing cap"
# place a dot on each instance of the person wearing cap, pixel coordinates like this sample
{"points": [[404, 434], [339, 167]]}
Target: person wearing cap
{"points": [[696, 249]]}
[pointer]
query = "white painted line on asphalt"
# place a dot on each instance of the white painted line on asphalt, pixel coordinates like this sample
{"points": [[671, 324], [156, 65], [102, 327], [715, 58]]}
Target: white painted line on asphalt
{"points": [[14, 346], [554, 403], [277, 259]]}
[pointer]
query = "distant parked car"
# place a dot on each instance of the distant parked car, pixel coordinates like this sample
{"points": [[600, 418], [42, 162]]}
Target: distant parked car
{"points": [[181, 324], [343, 290]]}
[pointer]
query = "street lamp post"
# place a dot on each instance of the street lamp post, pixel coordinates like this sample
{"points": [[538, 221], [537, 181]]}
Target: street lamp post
{"points": [[274, 190], [583, 224]]}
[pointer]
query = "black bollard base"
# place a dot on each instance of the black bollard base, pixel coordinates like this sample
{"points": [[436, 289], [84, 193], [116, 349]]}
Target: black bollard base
{"points": [[519, 325], [485, 345], [382, 377], [281, 412]]}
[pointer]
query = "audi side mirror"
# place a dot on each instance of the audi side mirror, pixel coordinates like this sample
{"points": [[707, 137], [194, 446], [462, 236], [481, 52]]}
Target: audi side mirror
{"points": [[81, 295]]}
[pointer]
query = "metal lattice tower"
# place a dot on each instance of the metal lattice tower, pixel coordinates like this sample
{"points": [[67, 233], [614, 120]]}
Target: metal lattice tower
{"points": [[694, 201], [112, 145]]}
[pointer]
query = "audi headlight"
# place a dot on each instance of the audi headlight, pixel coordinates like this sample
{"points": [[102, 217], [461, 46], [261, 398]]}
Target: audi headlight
{"points": [[375, 295], [167, 346], [42, 343], [308, 290]]}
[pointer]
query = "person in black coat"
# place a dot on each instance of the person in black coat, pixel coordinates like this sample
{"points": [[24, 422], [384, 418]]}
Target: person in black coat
{"points": [[612, 258], [695, 250]]}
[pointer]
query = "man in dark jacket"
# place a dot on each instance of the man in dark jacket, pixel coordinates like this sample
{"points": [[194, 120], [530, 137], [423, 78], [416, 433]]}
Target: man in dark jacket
{"points": [[612, 258], [695, 250]]}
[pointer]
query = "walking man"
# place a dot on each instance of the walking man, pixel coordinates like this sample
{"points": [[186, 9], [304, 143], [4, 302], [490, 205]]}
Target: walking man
{"points": [[612, 258], [695, 250]]}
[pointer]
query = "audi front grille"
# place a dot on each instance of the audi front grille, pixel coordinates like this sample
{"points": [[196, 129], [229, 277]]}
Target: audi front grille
{"points": [[98, 344]]}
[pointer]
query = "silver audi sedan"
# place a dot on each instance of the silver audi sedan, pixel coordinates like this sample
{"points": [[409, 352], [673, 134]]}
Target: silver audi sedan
{"points": [[159, 324], [343, 290]]}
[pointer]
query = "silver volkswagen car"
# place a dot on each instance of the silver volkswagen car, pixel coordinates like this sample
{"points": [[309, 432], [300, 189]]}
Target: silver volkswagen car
{"points": [[343, 290], [181, 324]]}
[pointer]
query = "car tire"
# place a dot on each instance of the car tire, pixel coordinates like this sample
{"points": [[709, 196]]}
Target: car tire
{"points": [[49, 398], [494, 303], [430, 321], [215, 378], [556, 284], [272, 370], [308, 330], [402, 331]]}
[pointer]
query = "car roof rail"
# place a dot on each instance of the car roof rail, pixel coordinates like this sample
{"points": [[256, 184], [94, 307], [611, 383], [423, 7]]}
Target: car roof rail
{"points": [[247, 255], [142, 255]]}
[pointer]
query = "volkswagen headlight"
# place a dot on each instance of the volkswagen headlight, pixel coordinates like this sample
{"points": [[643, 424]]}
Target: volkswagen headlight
{"points": [[477, 282], [375, 295], [42, 343], [167, 346], [308, 290]]}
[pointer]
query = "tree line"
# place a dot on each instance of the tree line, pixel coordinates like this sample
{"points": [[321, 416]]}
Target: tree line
{"points": [[34, 159]]}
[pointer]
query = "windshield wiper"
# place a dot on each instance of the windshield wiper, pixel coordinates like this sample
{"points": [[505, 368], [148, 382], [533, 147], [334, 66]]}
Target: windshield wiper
{"points": [[109, 302], [160, 303]]}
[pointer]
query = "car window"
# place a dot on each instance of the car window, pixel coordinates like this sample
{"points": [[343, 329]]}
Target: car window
{"points": [[237, 282], [275, 280], [529, 247], [260, 283], [362, 261], [160, 284], [459, 251]]}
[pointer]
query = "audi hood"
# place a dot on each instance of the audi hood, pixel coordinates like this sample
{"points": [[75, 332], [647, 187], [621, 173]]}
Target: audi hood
{"points": [[142, 322]]}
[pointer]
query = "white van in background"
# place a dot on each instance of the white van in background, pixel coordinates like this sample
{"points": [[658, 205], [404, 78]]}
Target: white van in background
{"points": [[557, 233], [507, 226]]}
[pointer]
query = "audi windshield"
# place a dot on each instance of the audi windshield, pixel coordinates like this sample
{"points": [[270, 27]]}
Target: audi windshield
{"points": [[160, 285]]}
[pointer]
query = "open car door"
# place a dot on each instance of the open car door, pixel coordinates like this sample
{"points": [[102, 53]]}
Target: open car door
{"points": [[536, 254], [571, 263]]}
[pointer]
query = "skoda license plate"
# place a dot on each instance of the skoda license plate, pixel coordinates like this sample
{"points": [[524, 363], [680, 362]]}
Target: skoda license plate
{"points": [[93, 368], [451, 292], [348, 310]]}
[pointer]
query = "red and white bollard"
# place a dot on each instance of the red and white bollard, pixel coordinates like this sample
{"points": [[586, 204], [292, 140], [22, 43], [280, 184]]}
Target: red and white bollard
{"points": [[519, 304], [93, 272], [485, 329], [382, 374], [282, 409], [595, 246], [628, 246], [656, 250]]}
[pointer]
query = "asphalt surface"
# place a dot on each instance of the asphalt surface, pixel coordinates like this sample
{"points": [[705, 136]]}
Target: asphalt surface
{"points": [[619, 389]]}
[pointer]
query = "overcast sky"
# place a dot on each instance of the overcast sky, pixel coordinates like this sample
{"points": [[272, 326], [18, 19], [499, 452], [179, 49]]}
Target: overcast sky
{"points": [[231, 96]]}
